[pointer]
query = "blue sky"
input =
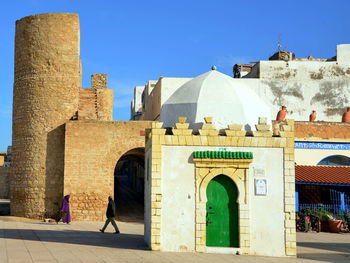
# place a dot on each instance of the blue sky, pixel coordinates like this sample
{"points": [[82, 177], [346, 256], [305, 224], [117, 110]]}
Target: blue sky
{"points": [[136, 41]]}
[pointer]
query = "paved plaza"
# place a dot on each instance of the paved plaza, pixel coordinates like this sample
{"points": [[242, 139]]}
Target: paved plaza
{"points": [[23, 240]]}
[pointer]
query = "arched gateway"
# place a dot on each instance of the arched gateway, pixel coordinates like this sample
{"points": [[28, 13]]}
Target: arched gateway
{"points": [[129, 185], [92, 152]]}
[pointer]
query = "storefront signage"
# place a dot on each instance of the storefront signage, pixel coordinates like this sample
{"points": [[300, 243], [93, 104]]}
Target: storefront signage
{"points": [[322, 145]]}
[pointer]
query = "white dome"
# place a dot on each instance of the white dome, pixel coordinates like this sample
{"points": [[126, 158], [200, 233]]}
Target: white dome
{"points": [[216, 95]]}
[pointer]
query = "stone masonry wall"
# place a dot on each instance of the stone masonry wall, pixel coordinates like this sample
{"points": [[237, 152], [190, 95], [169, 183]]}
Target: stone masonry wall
{"points": [[322, 130], [104, 104], [96, 103], [46, 89], [5, 182], [92, 150], [99, 81], [234, 136], [87, 104]]}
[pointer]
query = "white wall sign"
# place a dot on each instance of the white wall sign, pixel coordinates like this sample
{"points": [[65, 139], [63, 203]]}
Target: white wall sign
{"points": [[260, 186]]}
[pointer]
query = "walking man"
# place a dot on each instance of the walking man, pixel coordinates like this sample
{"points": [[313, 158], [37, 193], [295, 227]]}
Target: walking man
{"points": [[110, 213]]}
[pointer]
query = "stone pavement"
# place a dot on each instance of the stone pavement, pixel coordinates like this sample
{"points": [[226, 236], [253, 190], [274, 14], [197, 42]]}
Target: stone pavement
{"points": [[23, 240]]}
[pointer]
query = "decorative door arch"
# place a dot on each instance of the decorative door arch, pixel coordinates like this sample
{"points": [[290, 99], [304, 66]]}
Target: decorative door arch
{"points": [[236, 171], [222, 228]]}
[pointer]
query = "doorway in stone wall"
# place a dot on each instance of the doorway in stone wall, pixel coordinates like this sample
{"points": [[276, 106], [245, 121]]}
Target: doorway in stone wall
{"points": [[129, 186], [222, 213]]}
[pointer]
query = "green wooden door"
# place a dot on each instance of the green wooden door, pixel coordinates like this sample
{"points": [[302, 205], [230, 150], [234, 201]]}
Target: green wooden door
{"points": [[222, 213]]}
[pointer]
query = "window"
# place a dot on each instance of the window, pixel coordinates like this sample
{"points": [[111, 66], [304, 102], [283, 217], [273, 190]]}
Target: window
{"points": [[335, 160]]}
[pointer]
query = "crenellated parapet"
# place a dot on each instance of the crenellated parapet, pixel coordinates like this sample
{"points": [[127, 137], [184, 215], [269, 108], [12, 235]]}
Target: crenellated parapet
{"points": [[281, 136], [96, 103]]}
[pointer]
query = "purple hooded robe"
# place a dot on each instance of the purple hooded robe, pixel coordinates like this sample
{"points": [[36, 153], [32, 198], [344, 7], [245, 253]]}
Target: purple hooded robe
{"points": [[65, 208]]}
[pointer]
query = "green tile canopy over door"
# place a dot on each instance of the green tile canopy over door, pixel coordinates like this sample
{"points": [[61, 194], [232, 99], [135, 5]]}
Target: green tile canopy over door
{"points": [[222, 213]]}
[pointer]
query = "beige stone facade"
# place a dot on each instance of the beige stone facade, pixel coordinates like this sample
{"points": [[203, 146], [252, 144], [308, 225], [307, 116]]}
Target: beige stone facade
{"points": [[64, 140], [206, 169], [92, 150], [46, 94], [96, 103]]}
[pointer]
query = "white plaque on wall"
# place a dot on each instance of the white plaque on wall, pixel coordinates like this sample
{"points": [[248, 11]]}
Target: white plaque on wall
{"points": [[260, 186]]}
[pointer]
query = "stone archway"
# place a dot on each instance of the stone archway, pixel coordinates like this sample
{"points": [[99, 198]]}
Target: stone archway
{"points": [[92, 150], [129, 185]]}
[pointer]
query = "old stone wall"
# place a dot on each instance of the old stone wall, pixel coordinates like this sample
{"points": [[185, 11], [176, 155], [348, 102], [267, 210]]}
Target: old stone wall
{"points": [[96, 103], [302, 70], [87, 104], [92, 150], [328, 97], [46, 93], [305, 85], [99, 81], [5, 182], [322, 130], [104, 104]]}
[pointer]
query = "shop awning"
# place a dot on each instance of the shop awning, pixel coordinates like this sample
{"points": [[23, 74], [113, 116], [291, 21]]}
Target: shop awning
{"points": [[322, 174]]}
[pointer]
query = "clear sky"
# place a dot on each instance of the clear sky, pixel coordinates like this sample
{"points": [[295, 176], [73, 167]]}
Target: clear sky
{"points": [[136, 41]]}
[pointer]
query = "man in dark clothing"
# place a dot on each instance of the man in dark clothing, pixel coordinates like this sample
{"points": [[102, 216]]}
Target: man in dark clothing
{"points": [[110, 214]]}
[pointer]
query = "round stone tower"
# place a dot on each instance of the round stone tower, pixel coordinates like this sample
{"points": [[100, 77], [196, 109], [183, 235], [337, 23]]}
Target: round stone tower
{"points": [[46, 93]]}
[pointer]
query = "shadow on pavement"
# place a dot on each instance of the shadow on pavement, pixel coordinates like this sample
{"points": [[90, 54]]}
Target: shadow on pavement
{"points": [[332, 258], [333, 252], [89, 238], [337, 247]]}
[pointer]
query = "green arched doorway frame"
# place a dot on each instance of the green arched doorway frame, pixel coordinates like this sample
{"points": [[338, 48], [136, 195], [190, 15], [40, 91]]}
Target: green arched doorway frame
{"points": [[222, 228]]}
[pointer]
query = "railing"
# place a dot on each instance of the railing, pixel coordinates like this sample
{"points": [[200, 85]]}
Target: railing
{"points": [[332, 208], [334, 199], [347, 201]]}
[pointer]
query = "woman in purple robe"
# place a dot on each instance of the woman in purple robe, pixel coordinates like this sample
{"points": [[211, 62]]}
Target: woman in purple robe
{"points": [[65, 209]]}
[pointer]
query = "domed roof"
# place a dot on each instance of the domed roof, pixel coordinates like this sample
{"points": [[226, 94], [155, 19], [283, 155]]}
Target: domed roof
{"points": [[217, 95]]}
